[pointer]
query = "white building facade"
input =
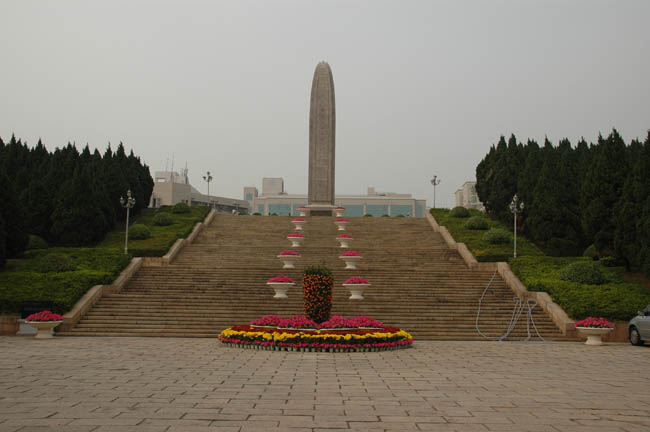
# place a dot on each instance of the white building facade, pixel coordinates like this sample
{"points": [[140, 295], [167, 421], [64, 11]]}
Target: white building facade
{"points": [[467, 197]]}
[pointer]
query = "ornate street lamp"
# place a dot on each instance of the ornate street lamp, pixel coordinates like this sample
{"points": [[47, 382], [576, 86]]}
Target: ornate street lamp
{"points": [[516, 207], [127, 203], [208, 178], [435, 182]]}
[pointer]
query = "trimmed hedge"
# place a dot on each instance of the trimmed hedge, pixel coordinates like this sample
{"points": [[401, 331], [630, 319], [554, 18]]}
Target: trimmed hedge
{"points": [[139, 232], [583, 272], [54, 263], [459, 212], [497, 236], [180, 208], [163, 219], [614, 300], [477, 223], [36, 242]]}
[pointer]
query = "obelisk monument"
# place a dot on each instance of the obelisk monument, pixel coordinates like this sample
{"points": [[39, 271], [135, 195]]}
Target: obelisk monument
{"points": [[322, 128]]}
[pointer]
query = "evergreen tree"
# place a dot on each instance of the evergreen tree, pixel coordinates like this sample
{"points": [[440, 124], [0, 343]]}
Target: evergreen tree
{"points": [[3, 242], [601, 189], [13, 215]]}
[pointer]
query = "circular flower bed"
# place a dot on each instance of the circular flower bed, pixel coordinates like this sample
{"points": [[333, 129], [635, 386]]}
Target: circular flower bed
{"points": [[316, 340]]}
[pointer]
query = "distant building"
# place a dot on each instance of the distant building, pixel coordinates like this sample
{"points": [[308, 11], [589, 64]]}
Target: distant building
{"points": [[466, 196], [274, 199], [171, 188]]}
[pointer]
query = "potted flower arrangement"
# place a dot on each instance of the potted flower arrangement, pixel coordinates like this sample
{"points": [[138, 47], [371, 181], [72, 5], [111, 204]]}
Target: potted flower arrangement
{"points": [[289, 258], [295, 239], [302, 210], [344, 239], [341, 223], [280, 285], [594, 329], [356, 285], [298, 222], [339, 211], [317, 283], [44, 322], [350, 258]]}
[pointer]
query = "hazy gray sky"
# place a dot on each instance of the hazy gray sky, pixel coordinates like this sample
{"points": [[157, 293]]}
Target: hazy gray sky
{"points": [[422, 87]]}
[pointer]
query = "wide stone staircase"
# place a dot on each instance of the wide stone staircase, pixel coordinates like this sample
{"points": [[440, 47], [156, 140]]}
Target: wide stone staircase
{"points": [[418, 283]]}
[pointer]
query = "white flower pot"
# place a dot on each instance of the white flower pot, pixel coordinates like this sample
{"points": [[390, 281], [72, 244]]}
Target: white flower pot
{"points": [[298, 225], [339, 213], [44, 328], [344, 242], [280, 288], [350, 261], [593, 334], [356, 290], [303, 213], [289, 261], [341, 225], [295, 241]]}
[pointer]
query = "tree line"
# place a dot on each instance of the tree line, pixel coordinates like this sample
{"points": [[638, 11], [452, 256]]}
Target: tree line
{"points": [[67, 197], [574, 196]]}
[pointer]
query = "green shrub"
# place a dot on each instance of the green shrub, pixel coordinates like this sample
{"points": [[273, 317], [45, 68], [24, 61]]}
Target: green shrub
{"points": [[459, 212], [610, 261], [477, 223], [274, 214], [591, 252], [243, 213], [180, 207], [164, 209], [163, 219], [400, 216], [385, 215], [497, 236], [560, 247], [139, 232], [36, 242], [367, 215], [584, 272], [54, 263], [257, 214]]}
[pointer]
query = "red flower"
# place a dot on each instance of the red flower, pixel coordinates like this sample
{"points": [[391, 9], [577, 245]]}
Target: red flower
{"points": [[356, 280], [339, 208], [594, 322], [342, 220], [281, 279], [45, 315], [351, 253], [289, 252], [294, 235], [347, 236], [298, 220]]}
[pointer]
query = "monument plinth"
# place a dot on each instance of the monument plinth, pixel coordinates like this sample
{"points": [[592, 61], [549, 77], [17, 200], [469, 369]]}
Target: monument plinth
{"points": [[322, 128]]}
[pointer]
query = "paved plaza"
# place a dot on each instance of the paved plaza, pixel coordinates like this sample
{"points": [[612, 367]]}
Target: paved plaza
{"points": [[166, 384]]}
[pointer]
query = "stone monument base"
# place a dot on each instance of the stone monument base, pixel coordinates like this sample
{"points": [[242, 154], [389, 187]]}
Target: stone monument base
{"points": [[320, 210]]}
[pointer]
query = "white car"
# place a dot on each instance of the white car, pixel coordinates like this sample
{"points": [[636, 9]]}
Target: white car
{"points": [[639, 328]]}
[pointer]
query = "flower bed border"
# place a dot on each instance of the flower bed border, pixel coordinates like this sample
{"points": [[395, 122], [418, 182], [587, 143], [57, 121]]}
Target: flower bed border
{"points": [[274, 339]]}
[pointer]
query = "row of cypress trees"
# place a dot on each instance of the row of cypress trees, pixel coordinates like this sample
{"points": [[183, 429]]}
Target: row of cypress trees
{"points": [[575, 196], [67, 197]]}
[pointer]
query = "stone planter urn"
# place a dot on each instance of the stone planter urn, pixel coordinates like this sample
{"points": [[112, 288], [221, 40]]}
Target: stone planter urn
{"points": [[356, 290], [44, 328], [344, 240], [339, 211], [594, 334], [295, 239], [9, 324], [289, 258], [351, 260], [341, 223], [299, 222], [302, 210]]}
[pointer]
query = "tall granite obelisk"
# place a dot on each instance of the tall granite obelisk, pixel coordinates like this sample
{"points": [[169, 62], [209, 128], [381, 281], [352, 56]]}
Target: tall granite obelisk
{"points": [[322, 128]]}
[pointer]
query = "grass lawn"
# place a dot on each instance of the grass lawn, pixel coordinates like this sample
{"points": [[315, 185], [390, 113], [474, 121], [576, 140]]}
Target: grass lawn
{"points": [[63, 275], [481, 249]]}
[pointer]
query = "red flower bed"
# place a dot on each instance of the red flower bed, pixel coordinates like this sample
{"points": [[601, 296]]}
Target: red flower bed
{"points": [[356, 280], [594, 322], [342, 220], [289, 252], [45, 315], [351, 254], [295, 235], [281, 279]]}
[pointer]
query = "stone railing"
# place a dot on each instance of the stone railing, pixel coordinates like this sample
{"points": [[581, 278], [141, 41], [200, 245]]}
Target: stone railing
{"points": [[552, 309]]}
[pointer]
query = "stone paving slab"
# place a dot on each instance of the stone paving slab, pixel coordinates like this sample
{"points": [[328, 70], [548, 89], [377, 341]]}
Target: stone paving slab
{"points": [[169, 384]]}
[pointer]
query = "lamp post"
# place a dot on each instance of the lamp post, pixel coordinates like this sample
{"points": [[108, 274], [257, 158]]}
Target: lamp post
{"points": [[208, 178], [516, 207], [435, 182], [127, 203]]}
